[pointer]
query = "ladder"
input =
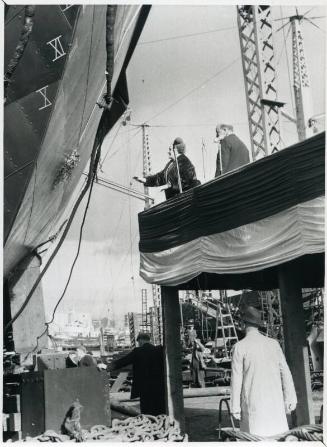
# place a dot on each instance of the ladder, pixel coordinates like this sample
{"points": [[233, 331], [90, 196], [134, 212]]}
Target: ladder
{"points": [[225, 326], [220, 310]]}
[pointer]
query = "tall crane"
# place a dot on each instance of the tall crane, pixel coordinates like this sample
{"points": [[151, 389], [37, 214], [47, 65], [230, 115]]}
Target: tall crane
{"points": [[260, 78]]}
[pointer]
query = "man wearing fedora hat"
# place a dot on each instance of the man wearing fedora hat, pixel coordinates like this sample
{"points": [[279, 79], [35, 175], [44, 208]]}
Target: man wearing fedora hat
{"points": [[177, 176], [262, 388]]}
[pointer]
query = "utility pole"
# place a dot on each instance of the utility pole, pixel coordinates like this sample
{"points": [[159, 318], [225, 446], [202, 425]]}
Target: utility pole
{"points": [[301, 81], [156, 290], [258, 60], [146, 162]]}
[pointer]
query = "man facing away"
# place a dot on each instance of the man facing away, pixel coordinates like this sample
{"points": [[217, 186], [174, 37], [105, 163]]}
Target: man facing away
{"points": [[233, 152], [169, 177], [262, 389], [148, 375]]}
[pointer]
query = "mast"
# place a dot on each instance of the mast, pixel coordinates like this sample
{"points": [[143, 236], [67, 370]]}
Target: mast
{"points": [[156, 290], [146, 162], [301, 81]]}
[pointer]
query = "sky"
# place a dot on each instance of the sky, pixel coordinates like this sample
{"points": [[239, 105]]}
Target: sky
{"points": [[184, 77]]}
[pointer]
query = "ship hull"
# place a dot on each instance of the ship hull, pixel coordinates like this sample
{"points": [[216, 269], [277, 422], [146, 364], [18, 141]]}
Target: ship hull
{"points": [[56, 115]]}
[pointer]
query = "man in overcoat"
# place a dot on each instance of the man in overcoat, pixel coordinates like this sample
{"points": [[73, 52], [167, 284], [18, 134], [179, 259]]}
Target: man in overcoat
{"points": [[170, 175], [148, 375], [262, 389], [233, 153]]}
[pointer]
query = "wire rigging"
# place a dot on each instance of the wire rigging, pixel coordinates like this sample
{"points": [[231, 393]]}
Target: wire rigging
{"points": [[288, 66], [130, 220], [182, 36], [113, 140], [92, 172], [47, 324], [193, 90]]}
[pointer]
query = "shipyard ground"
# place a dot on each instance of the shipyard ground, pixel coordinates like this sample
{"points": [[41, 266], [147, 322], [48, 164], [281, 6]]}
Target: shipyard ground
{"points": [[201, 416]]}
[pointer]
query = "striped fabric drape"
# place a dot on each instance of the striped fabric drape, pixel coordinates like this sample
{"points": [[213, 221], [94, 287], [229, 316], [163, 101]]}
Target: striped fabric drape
{"points": [[257, 217]]}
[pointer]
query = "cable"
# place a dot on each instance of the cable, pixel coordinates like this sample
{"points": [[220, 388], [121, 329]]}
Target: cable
{"points": [[284, 45], [25, 165], [121, 267], [47, 324], [14, 16], [240, 123], [193, 90], [182, 36], [113, 140], [77, 253], [92, 170], [115, 152], [130, 219], [288, 66]]}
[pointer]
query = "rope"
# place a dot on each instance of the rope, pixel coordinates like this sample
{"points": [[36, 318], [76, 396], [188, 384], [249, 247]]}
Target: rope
{"points": [[20, 48]]}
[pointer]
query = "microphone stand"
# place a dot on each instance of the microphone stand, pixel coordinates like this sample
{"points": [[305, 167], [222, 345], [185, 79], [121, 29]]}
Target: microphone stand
{"points": [[178, 174]]}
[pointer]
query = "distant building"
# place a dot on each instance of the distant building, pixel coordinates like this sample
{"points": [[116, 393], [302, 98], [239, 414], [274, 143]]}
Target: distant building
{"points": [[74, 324]]}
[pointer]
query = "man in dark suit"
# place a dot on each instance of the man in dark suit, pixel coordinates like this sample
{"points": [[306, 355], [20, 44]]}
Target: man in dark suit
{"points": [[233, 152], [170, 175], [148, 375]]}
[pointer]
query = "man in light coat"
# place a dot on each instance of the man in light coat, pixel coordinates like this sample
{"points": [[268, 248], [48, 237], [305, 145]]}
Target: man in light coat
{"points": [[262, 389]]}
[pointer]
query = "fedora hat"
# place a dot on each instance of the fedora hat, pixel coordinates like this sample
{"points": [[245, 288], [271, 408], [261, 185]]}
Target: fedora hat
{"points": [[250, 314], [179, 145]]}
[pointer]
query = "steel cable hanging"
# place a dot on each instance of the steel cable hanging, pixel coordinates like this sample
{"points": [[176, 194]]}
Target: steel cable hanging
{"points": [[47, 324], [130, 217], [182, 36], [92, 172]]}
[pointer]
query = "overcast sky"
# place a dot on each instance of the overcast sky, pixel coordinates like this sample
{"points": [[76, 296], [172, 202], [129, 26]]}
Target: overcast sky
{"points": [[181, 87]]}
